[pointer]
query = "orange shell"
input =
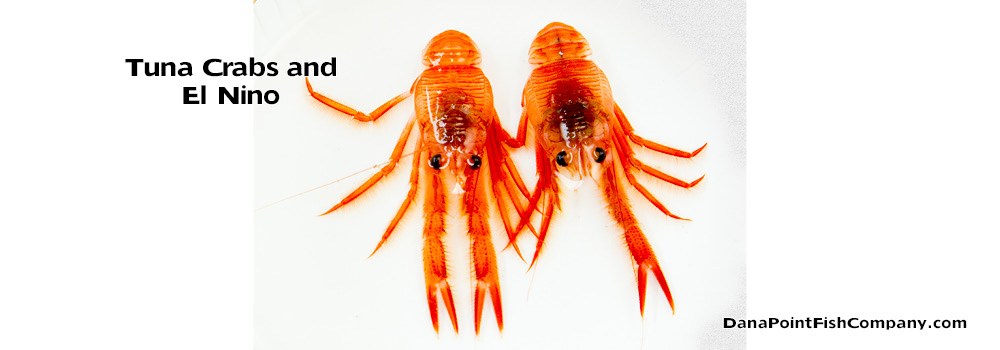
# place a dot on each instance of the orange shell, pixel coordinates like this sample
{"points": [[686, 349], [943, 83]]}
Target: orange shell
{"points": [[557, 41], [451, 47]]}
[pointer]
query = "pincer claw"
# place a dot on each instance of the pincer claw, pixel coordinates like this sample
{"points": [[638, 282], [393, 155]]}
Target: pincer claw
{"points": [[653, 266], [449, 303]]}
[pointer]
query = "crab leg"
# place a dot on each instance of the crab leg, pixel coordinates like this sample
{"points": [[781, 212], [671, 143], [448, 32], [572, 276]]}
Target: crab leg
{"points": [[500, 183], [620, 127], [522, 129], [638, 246], [620, 115], [435, 268], [397, 153], [484, 260], [356, 114], [414, 183], [502, 135], [628, 164], [547, 187]]}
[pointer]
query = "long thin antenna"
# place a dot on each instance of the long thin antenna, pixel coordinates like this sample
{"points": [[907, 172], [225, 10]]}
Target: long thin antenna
{"points": [[531, 283], [333, 182], [642, 338]]}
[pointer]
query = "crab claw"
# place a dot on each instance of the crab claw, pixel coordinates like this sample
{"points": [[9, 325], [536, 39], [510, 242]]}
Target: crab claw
{"points": [[449, 303], [494, 289], [435, 267], [652, 265]]}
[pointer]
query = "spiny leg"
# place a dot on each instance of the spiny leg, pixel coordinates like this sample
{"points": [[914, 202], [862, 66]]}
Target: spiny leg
{"points": [[665, 177], [522, 132], [530, 209], [521, 210], [435, 268], [484, 259], [505, 180], [501, 135], [498, 192], [636, 163], [357, 115], [522, 129], [627, 160], [546, 219], [649, 196], [639, 248], [620, 115], [495, 163], [511, 237], [513, 177], [518, 206], [393, 159], [618, 130], [414, 184], [546, 184], [516, 176]]}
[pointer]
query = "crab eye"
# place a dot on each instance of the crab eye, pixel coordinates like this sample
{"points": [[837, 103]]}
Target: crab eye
{"points": [[435, 162], [475, 162], [562, 159], [599, 155]]}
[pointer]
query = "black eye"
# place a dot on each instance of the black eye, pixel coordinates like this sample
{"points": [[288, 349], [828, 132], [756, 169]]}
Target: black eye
{"points": [[435, 162], [561, 159], [475, 162], [599, 155]]}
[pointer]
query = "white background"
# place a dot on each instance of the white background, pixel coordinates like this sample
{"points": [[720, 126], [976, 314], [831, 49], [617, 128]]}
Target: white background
{"points": [[127, 216]]}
